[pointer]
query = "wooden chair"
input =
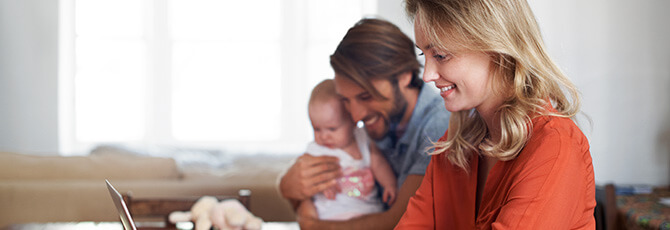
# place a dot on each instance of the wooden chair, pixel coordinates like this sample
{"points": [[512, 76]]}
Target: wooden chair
{"points": [[160, 208], [611, 208], [606, 213]]}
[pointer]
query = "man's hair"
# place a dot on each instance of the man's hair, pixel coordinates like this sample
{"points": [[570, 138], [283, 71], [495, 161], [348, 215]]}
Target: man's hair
{"points": [[375, 49], [522, 71]]}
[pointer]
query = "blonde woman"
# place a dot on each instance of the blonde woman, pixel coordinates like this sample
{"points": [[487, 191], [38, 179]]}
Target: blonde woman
{"points": [[512, 157]]}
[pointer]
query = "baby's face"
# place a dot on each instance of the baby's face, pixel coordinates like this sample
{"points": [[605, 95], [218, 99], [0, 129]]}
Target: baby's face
{"points": [[332, 127]]}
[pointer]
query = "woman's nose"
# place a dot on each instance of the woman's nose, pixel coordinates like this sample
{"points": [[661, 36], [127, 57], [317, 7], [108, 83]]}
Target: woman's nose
{"points": [[429, 73]]}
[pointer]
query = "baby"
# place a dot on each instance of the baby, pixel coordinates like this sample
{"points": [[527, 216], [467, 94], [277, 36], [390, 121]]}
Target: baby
{"points": [[336, 134]]}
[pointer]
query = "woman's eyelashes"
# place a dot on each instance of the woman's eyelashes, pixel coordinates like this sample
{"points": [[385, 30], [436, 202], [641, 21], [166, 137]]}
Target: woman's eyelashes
{"points": [[439, 57], [442, 57]]}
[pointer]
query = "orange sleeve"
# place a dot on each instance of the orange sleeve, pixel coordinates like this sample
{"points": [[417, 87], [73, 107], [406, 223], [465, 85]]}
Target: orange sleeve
{"points": [[420, 211], [554, 187]]}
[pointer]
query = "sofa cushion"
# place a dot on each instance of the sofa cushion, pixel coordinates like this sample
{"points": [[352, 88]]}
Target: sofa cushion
{"points": [[88, 200], [15, 166]]}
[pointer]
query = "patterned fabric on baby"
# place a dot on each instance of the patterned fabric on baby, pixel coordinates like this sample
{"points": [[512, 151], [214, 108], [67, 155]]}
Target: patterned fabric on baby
{"points": [[358, 192], [357, 183]]}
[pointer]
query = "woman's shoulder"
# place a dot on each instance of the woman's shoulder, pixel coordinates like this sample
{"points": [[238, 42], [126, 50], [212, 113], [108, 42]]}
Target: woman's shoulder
{"points": [[555, 138], [547, 126]]}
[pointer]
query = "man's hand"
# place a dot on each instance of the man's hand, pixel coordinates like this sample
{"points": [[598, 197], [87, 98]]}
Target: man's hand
{"points": [[309, 175]]}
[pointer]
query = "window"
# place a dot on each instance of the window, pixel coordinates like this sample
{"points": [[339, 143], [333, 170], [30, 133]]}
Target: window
{"points": [[230, 75]]}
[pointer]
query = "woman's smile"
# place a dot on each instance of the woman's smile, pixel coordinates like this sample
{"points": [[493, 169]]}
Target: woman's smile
{"points": [[446, 90]]}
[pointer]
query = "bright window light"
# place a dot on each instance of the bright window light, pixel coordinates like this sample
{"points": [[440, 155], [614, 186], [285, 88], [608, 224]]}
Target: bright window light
{"points": [[218, 96], [227, 75], [109, 81]]}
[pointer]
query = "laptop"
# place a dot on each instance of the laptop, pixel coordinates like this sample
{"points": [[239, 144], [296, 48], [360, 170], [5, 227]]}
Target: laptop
{"points": [[124, 214]]}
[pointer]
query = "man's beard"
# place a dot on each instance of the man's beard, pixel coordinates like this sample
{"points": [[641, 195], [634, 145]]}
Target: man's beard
{"points": [[393, 117], [399, 106], [396, 115]]}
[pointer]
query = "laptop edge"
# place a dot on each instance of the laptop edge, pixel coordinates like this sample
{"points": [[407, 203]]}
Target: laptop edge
{"points": [[124, 214]]}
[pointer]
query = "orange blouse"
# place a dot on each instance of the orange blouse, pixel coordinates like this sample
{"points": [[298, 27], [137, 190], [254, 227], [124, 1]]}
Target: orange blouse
{"points": [[549, 185]]}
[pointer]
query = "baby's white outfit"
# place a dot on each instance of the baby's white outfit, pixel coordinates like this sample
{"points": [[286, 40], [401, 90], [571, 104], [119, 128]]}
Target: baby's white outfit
{"points": [[359, 193]]}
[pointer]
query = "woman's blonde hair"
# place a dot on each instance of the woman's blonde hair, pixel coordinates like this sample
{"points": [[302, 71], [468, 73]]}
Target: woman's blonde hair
{"points": [[521, 69]]}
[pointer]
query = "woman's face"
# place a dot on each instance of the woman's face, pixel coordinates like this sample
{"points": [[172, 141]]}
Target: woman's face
{"points": [[463, 77]]}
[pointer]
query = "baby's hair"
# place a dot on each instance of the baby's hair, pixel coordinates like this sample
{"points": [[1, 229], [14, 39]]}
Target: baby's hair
{"points": [[323, 92]]}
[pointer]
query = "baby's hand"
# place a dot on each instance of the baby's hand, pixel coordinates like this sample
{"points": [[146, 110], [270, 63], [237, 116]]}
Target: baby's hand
{"points": [[331, 192], [389, 195]]}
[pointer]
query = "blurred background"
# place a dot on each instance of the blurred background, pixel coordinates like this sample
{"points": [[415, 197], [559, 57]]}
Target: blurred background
{"points": [[234, 76]]}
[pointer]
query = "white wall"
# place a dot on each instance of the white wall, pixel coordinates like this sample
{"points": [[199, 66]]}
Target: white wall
{"points": [[28, 75], [394, 11], [617, 52]]}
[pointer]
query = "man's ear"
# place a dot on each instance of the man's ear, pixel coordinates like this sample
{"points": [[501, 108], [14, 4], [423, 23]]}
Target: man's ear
{"points": [[404, 79]]}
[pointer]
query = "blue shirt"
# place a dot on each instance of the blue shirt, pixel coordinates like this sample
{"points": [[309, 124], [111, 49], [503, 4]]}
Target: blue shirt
{"points": [[409, 154]]}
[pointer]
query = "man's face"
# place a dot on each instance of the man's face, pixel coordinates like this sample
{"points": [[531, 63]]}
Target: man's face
{"points": [[376, 113]]}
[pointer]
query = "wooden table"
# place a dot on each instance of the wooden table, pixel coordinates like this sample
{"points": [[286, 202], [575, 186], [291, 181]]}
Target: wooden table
{"points": [[117, 226], [643, 211]]}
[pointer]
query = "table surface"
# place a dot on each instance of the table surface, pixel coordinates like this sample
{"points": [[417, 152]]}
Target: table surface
{"points": [[643, 211], [117, 226]]}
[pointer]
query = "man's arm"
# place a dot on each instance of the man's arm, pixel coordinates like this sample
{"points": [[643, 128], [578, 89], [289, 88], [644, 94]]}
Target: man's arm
{"points": [[382, 220], [308, 176]]}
